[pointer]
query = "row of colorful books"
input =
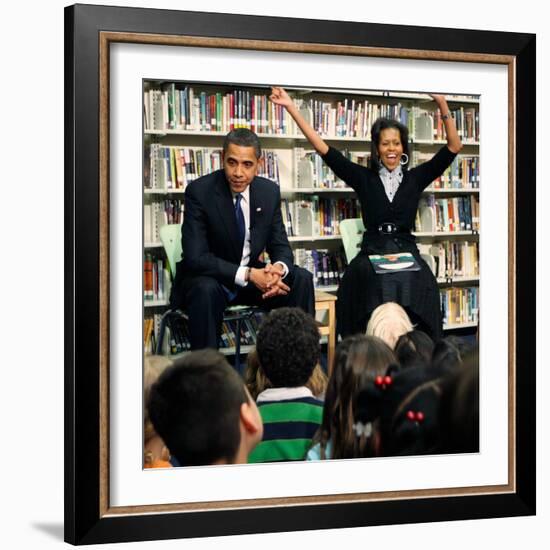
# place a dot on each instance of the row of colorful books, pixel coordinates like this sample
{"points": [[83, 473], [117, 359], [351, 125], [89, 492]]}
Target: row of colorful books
{"points": [[320, 216], [151, 328], [156, 278], [466, 121], [349, 117], [317, 216], [452, 259], [326, 266], [448, 214], [427, 125], [174, 108], [460, 305], [171, 108], [158, 213], [463, 173], [173, 167], [312, 171]]}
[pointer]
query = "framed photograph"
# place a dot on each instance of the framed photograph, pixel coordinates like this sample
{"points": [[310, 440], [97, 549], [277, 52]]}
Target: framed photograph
{"points": [[115, 54]]}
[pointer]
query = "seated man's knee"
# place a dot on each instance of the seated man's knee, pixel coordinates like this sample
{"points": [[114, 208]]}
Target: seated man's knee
{"points": [[205, 289]]}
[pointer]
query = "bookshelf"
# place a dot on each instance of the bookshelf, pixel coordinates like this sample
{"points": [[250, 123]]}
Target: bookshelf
{"points": [[184, 127]]}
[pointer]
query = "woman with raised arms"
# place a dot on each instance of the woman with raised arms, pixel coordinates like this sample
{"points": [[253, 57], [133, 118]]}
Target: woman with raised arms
{"points": [[389, 194]]}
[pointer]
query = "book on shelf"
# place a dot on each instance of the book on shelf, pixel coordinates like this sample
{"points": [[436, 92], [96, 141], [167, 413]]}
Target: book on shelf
{"points": [[425, 215], [182, 107], [451, 214], [326, 266], [173, 168], [312, 172], [269, 166], [423, 124], [428, 125], [149, 343], [154, 111], [148, 293], [317, 216], [462, 174], [452, 259], [459, 305], [151, 331], [349, 117], [188, 108], [287, 217], [159, 213], [156, 278], [467, 123]]}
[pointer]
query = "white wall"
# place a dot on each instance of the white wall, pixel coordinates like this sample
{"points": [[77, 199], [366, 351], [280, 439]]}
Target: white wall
{"points": [[31, 482]]}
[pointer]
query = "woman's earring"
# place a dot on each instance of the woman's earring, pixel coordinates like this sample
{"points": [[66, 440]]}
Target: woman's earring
{"points": [[404, 159]]}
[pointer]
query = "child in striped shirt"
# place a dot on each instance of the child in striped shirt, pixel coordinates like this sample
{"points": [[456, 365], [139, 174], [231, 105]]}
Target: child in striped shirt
{"points": [[288, 350]]}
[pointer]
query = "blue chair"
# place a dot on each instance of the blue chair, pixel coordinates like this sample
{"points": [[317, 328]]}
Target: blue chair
{"points": [[170, 237]]}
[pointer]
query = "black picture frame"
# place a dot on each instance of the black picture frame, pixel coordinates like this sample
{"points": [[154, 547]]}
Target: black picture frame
{"points": [[88, 518]]}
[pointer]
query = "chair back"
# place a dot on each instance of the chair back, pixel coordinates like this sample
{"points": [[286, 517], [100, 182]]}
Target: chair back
{"points": [[170, 237], [352, 234]]}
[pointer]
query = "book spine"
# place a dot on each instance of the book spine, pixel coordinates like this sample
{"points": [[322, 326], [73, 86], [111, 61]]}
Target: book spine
{"points": [[148, 278]]}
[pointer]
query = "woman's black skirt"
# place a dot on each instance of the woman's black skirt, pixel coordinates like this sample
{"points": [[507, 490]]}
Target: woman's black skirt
{"points": [[362, 290]]}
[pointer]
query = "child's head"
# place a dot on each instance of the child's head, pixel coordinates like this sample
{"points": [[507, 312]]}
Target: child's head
{"points": [[389, 321], [460, 408], [203, 412], [448, 354], [358, 361], [288, 347], [409, 419], [414, 348], [257, 382], [153, 367]]}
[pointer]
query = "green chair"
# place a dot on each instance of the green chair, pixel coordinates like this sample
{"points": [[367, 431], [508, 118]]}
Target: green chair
{"points": [[352, 234], [170, 237]]}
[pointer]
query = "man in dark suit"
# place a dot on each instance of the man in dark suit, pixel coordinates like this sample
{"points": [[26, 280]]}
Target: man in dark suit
{"points": [[231, 217]]}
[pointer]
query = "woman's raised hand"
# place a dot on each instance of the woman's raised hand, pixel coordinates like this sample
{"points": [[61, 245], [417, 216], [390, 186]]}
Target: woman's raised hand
{"points": [[453, 139], [280, 97]]}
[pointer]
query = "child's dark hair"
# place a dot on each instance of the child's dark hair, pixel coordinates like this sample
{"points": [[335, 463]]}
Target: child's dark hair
{"points": [[385, 124], [288, 347], [447, 354], [195, 408], [409, 420], [460, 408], [358, 361], [414, 348]]}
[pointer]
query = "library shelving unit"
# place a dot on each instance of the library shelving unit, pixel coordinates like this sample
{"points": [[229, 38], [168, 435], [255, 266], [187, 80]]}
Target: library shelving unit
{"points": [[184, 127]]}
